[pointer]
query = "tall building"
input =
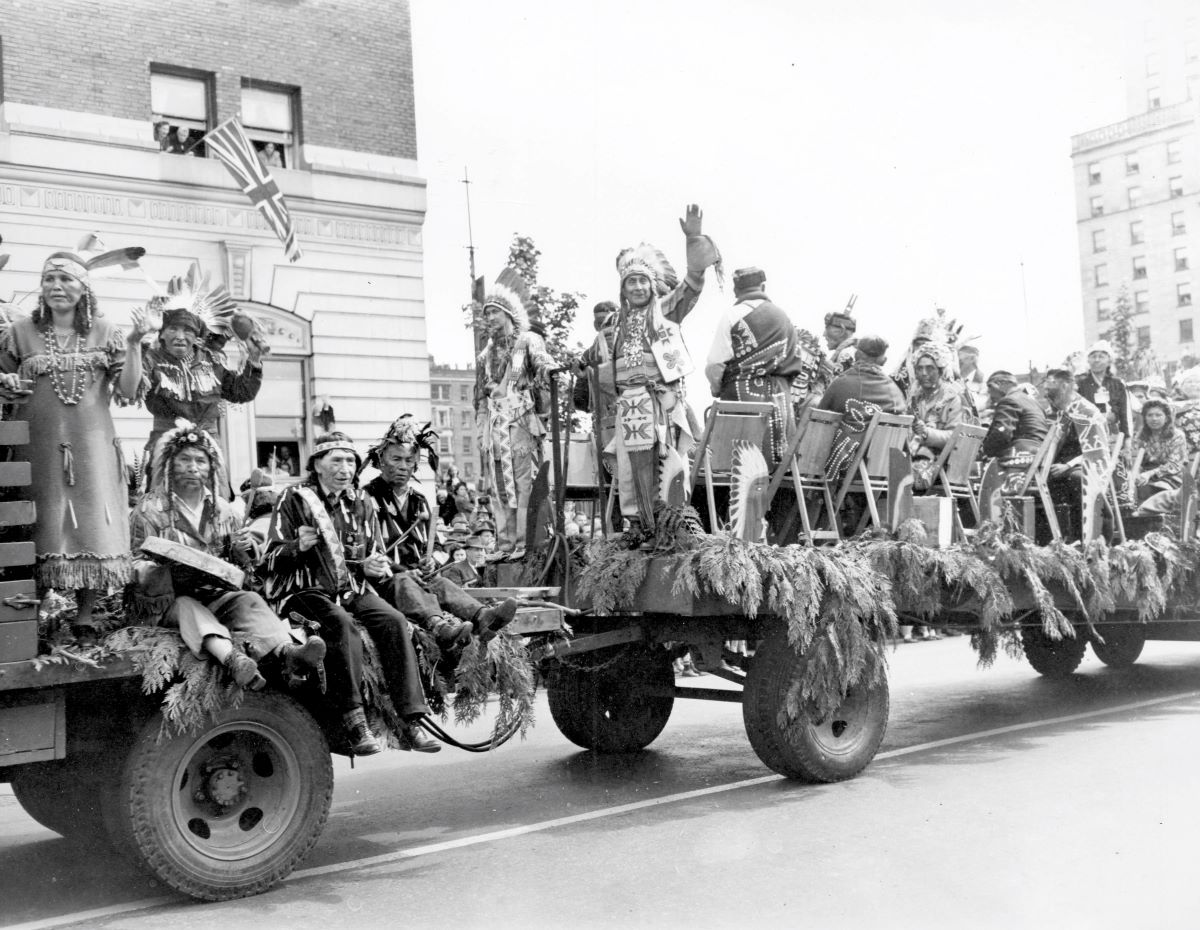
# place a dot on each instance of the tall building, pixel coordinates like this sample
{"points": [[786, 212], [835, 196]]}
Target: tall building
{"points": [[1137, 191], [102, 111], [452, 397]]}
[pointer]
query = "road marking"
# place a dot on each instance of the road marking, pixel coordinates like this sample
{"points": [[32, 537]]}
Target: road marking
{"points": [[463, 842]]}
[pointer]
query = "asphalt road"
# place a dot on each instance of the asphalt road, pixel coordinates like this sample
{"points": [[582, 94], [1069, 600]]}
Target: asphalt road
{"points": [[999, 799]]}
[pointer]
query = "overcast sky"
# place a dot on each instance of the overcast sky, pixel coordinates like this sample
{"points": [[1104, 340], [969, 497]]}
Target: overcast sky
{"points": [[910, 153]]}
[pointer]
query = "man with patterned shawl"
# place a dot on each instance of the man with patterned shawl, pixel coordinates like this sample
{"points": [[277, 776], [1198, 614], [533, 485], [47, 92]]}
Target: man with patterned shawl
{"points": [[432, 601], [654, 425], [183, 370], [184, 506], [1082, 466], [515, 366], [755, 356], [323, 553], [840, 327]]}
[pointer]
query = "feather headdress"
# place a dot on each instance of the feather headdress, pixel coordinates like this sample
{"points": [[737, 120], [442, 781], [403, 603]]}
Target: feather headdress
{"points": [[100, 256], [405, 432], [169, 445], [210, 310], [510, 295], [650, 261]]}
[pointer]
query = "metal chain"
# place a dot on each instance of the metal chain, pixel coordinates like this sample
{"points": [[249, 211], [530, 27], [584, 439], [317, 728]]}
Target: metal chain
{"points": [[581, 665]]}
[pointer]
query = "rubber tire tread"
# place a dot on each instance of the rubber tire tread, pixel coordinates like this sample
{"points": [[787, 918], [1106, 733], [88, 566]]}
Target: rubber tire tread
{"points": [[1049, 657], [573, 695], [1124, 646], [151, 763], [775, 665]]}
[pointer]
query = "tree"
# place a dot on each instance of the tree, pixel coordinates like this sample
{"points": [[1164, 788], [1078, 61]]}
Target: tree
{"points": [[554, 309], [1120, 335]]}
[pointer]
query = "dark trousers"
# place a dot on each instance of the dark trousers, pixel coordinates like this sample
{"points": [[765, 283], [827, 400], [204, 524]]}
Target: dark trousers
{"points": [[422, 599], [344, 661]]}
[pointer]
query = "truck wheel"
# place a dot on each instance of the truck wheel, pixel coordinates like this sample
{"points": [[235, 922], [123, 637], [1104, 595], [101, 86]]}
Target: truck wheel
{"points": [[1122, 645], [833, 749], [1054, 658], [67, 796], [613, 700], [228, 812]]}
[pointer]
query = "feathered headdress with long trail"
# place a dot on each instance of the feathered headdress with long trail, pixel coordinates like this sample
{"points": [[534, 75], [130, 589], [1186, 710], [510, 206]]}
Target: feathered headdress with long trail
{"points": [[748, 493], [510, 295], [192, 300], [171, 442], [650, 261], [405, 432]]}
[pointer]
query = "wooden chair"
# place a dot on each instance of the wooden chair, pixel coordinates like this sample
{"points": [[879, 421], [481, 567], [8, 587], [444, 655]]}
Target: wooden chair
{"points": [[1034, 485], [804, 460], [870, 466], [954, 471], [727, 423]]}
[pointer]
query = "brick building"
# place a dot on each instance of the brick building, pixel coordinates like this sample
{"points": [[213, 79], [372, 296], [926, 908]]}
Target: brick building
{"points": [[451, 395], [329, 87]]}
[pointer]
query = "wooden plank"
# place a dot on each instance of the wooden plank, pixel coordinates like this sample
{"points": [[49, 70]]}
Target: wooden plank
{"points": [[17, 553], [33, 729], [14, 474], [19, 675], [18, 640], [17, 513], [18, 600], [628, 634], [14, 433], [484, 594]]}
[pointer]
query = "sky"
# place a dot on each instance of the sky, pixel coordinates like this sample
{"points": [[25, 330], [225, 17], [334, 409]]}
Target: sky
{"points": [[916, 154]]}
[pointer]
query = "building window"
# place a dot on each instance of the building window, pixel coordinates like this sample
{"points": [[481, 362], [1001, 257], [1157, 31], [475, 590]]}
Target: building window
{"points": [[443, 417], [439, 392], [1176, 186], [1181, 259], [1153, 98], [1132, 166], [181, 101], [467, 417], [1183, 295], [1141, 302], [280, 415], [1185, 331], [444, 445], [1135, 196], [1139, 267], [1191, 51], [1174, 152], [1100, 275], [466, 445], [1178, 224], [1097, 205], [1136, 236], [464, 393], [468, 469], [1102, 308], [269, 118], [1098, 243], [1152, 65], [1143, 337], [1094, 173]]}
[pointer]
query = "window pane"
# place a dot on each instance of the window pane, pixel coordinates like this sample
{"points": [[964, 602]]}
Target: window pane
{"points": [[1185, 330], [171, 95], [266, 109]]}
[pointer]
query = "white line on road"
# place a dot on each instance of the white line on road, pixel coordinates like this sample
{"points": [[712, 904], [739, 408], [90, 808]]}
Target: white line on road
{"points": [[416, 851]]}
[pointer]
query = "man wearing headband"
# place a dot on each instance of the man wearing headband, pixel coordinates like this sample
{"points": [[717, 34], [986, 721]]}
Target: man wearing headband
{"points": [[184, 506], [323, 554], [1082, 455], [429, 599], [840, 327]]}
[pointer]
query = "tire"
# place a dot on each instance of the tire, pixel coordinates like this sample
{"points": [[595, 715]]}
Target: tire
{"points": [[1122, 645], [1054, 658], [833, 749], [603, 700], [68, 796], [229, 812]]}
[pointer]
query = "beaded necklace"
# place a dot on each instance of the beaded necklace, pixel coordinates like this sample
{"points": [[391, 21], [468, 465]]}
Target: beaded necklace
{"points": [[63, 359]]}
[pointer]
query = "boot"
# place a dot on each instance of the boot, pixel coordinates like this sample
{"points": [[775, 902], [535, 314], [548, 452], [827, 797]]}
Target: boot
{"points": [[361, 741], [298, 661], [416, 739], [244, 671], [449, 633], [490, 620]]}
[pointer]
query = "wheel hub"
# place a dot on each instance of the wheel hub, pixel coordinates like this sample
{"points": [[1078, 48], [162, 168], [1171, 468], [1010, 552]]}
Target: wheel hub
{"points": [[223, 785]]}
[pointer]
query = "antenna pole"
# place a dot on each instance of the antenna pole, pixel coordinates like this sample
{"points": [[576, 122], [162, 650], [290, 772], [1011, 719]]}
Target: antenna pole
{"points": [[466, 181]]}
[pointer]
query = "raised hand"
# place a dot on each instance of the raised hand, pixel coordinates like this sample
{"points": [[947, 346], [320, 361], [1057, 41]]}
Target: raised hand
{"points": [[691, 222]]}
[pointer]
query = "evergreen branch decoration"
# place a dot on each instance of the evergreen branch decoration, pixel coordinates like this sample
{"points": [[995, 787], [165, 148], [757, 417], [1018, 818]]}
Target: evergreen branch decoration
{"points": [[502, 667]]}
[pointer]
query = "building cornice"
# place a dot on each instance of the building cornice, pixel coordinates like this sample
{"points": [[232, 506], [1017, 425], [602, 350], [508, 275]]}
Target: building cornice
{"points": [[1143, 123]]}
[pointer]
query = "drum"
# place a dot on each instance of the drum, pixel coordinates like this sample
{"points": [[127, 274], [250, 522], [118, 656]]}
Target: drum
{"points": [[192, 569]]}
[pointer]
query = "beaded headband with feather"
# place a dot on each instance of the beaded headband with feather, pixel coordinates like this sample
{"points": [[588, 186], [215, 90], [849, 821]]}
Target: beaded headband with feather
{"points": [[510, 295], [172, 442], [405, 432]]}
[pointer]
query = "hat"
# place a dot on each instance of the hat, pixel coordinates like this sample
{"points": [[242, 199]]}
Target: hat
{"points": [[938, 351], [844, 316], [1064, 374], [510, 295], [404, 432], [646, 259], [872, 346], [748, 279], [175, 440], [1102, 346], [1002, 375], [328, 443], [190, 301]]}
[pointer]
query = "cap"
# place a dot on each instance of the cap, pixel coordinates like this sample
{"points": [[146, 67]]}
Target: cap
{"points": [[872, 346], [748, 279]]}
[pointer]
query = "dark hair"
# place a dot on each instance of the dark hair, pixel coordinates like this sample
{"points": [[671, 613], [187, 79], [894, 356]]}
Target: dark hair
{"points": [[1168, 428], [335, 436], [88, 304]]}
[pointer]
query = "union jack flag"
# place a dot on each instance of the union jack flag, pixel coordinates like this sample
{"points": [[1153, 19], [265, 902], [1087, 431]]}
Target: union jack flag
{"points": [[229, 143]]}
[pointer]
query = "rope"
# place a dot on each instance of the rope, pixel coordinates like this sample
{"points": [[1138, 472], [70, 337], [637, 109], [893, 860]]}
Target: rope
{"points": [[482, 746]]}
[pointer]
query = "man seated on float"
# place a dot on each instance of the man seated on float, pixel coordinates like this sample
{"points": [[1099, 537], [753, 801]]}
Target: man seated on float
{"points": [[937, 408], [1083, 451], [184, 506], [323, 553], [864, 382], [429, 600], [1018, 426], [183, 371]]}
